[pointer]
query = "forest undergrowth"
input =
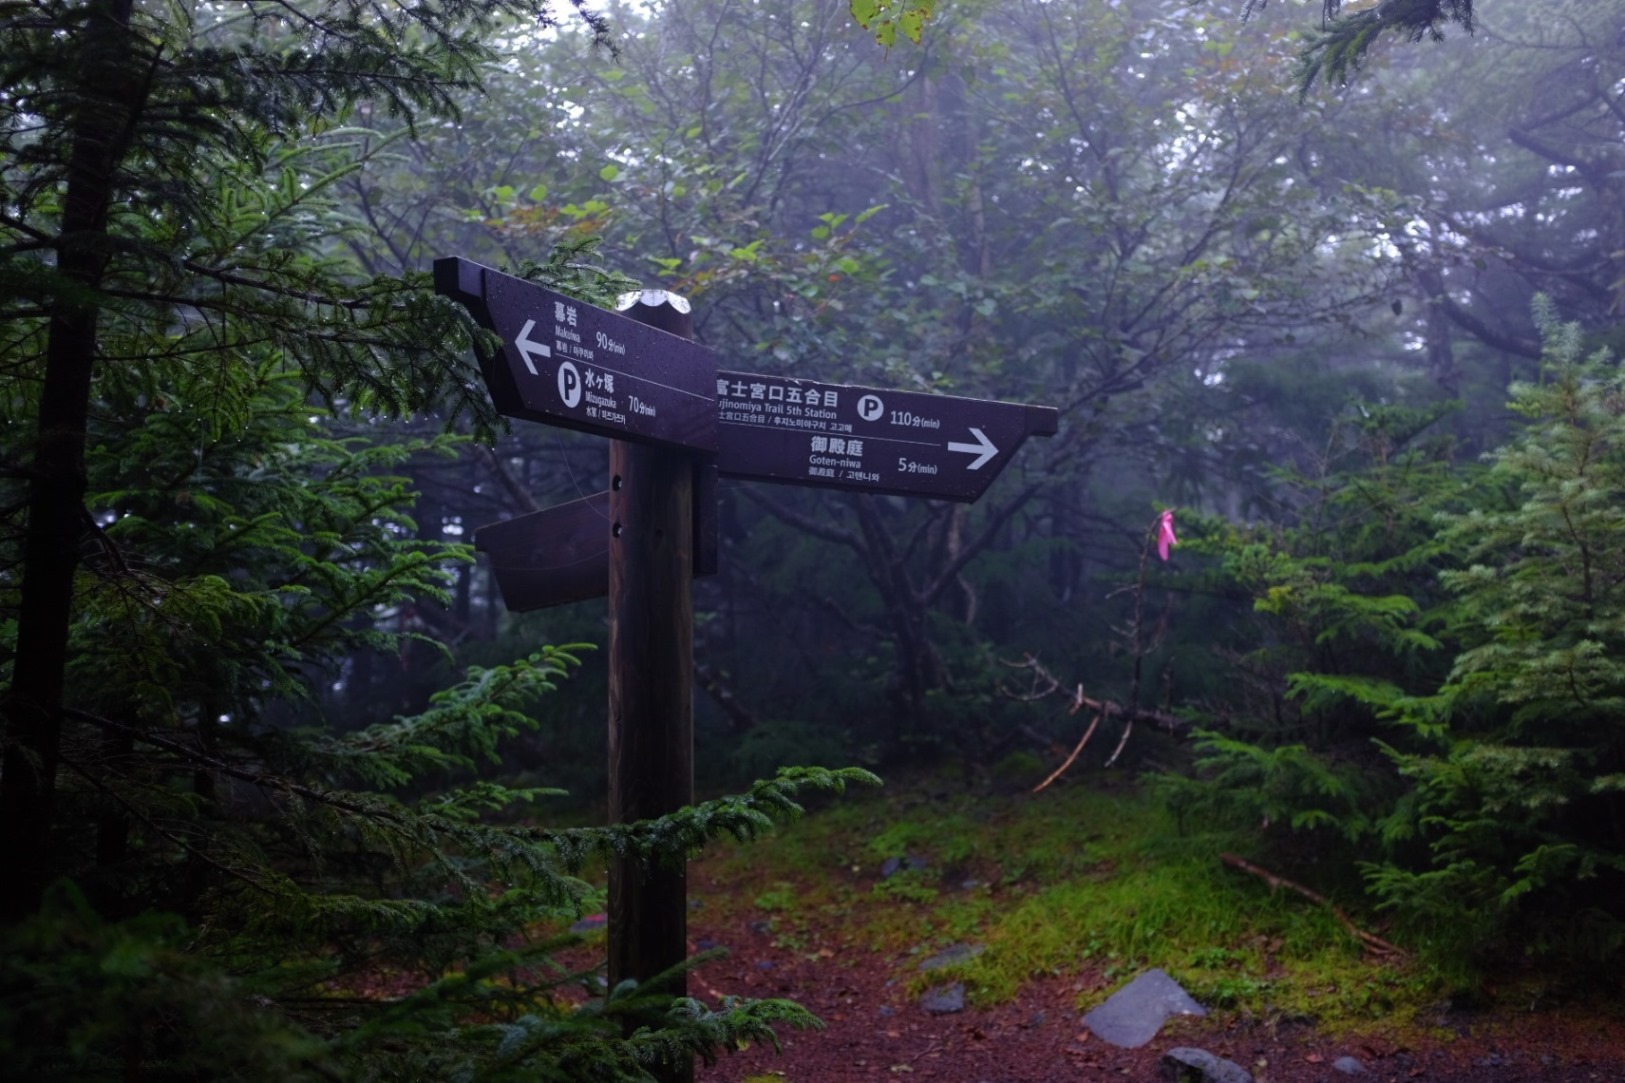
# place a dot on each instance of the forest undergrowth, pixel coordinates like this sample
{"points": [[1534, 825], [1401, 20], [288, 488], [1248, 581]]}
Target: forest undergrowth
{"points": [[1091, 876]]}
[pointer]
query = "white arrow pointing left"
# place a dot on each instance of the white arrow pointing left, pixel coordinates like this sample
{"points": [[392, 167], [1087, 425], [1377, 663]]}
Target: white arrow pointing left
{"points": [[530, 350], [983, 449]]}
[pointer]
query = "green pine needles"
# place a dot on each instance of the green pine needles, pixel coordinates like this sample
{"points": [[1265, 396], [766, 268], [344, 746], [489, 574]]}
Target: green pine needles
{"points": [[1451, 676], [238, 877], [1335, 52], [1519, 797], [203, 527]]}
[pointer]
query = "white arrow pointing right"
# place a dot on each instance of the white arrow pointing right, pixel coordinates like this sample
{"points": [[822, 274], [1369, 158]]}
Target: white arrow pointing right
{"points": [[983, 449], [530, 350]]}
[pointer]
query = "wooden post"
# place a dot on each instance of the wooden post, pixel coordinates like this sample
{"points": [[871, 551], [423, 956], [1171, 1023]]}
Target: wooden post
{"points": [[651, 682]]}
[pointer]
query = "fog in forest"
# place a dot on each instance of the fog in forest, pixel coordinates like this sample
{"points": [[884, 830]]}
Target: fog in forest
{"points": [[1326, 549]]}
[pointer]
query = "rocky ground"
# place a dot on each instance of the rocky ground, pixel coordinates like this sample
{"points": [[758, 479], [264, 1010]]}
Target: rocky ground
{"points": [[875, 1030]]}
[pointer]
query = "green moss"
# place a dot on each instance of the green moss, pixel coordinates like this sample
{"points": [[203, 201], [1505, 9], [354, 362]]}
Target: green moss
{"points": [[1080, 880], [781, 896]]}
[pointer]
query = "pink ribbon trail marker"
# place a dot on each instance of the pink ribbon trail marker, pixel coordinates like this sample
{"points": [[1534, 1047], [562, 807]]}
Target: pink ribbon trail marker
{"points": [[1165, 535]]}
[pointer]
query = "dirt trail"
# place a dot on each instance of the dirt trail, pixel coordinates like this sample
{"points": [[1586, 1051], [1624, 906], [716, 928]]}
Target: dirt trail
{"points": [[875, 1031]]}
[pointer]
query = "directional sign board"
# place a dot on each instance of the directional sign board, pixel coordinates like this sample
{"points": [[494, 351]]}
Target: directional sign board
{"points": [[841, 436], [565, 362], [561, 555], [550, 557]]}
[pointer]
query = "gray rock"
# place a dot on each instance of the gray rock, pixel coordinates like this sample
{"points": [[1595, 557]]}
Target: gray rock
{"points": [[1185, 1065], [959, 953], [1348, 1066], [945, 1001], [1132, 1016], [907, 863]]}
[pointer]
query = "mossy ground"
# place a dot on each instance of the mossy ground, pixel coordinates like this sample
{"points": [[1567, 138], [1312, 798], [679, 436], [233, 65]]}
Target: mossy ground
{"points": [[1091, 878]]}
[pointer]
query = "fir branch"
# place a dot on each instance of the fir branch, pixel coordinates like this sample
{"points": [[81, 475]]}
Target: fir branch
{"points": [[1341, 47], [672, 837]]}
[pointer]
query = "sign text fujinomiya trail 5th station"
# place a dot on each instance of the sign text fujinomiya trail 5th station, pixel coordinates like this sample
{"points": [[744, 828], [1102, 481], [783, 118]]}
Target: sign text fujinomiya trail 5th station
{"points": [[906, 443]]}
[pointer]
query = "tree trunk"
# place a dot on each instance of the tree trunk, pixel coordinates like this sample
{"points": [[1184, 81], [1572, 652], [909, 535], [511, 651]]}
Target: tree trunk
{"points": [[918, 668], [56, 512]]}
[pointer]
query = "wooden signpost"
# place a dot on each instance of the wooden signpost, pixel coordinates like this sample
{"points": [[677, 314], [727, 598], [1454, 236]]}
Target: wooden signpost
{"points": [[675, 422], [651, 682]]}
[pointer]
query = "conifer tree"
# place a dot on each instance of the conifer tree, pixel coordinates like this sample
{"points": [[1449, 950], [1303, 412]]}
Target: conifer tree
{"points": [[1518, 790], [200, 880], [155, 163], [1448, 694], [1344, 41]]}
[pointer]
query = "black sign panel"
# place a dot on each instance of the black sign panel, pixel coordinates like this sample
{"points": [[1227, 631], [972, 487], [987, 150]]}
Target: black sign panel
{"points": [[550, 557], [565, 362], [907, 443], [561, 555]]}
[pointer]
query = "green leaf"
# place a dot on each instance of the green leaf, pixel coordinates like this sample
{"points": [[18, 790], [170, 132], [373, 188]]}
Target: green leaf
{"points": [[912, 24]]}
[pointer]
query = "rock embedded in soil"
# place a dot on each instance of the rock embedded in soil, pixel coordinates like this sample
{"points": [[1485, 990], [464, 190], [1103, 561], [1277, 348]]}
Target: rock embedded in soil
{"points": [[945, 1001], [959, 953], [1132, 1016], [1185, 1065], [1348, 1066], [907, 863]]}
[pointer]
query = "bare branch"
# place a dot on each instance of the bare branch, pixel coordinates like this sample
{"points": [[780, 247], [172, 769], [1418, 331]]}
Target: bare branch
{"points": [[1372, 942]]}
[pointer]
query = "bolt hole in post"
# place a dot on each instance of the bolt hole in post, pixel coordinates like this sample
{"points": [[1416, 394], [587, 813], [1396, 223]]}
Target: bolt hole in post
{"points": [[615, 483], [615, 530]]}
